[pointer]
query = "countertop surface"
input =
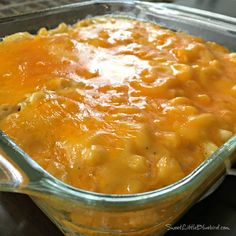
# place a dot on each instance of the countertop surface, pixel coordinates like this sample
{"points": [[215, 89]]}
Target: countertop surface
{"points": [[19, 216]]}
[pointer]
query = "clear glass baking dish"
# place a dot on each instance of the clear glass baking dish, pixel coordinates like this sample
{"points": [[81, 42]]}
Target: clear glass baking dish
{"points": [[78, 212]]}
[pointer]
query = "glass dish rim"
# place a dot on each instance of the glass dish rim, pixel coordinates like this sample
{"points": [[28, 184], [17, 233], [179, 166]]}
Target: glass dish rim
{"points": [[133, 199]]}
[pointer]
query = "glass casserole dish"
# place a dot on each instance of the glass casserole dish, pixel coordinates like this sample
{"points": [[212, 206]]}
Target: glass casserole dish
{"points": [[79, 212]]}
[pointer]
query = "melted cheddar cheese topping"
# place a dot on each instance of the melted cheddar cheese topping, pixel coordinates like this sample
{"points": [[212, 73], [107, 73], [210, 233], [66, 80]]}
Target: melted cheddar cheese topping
{"points": [[117, 105]]}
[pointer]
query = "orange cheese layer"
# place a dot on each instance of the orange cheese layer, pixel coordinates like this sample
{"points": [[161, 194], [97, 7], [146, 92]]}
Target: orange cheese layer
{"points": [[117, 105]]}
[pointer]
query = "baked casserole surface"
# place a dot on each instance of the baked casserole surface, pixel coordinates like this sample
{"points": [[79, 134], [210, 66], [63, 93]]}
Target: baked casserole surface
{"points": [[115, 105]]}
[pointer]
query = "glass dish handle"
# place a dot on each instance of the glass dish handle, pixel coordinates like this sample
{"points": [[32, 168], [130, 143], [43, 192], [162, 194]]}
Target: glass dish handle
{"points": [[10, 177], [17, 171]]}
